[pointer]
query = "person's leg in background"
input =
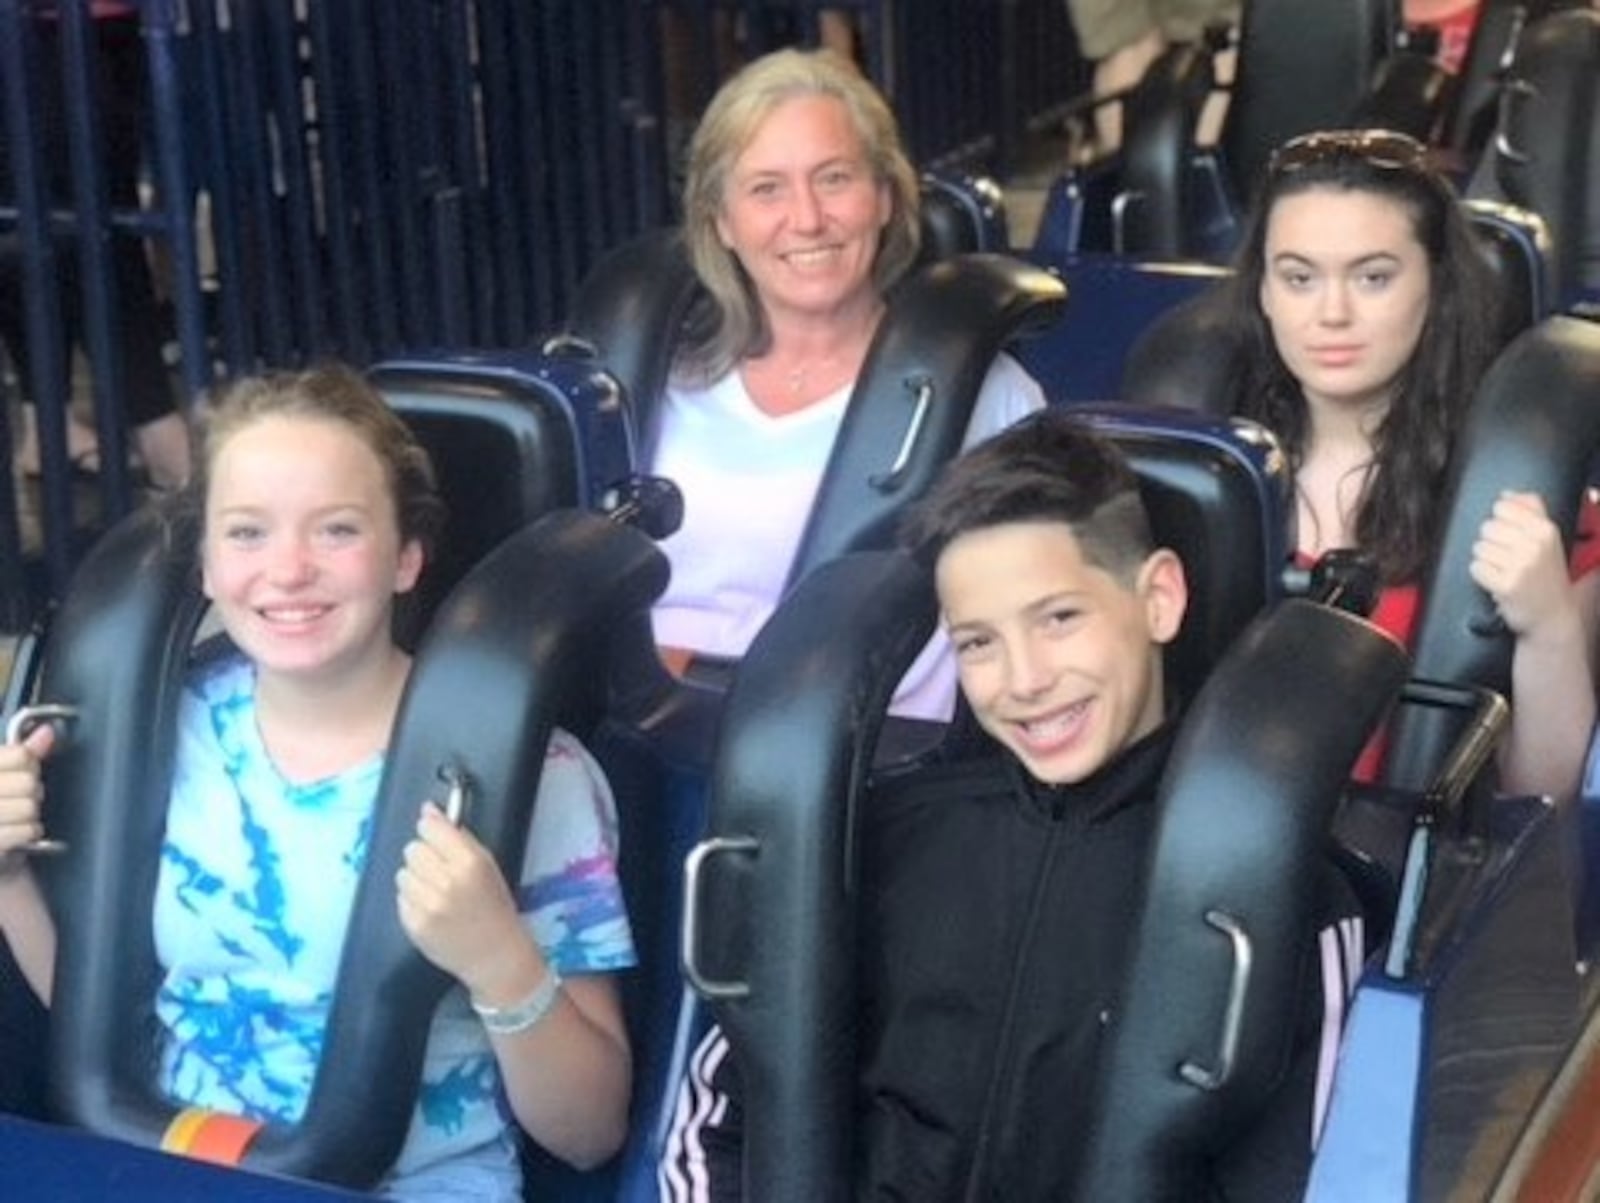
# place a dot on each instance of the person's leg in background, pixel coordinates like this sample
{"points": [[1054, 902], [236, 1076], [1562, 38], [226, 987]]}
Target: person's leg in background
{"points": [[1122, 39], [1187, 21]]}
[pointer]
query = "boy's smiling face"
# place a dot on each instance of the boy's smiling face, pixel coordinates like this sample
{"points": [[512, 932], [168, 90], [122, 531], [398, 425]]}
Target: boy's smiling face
{"points": [[1060, 659]]}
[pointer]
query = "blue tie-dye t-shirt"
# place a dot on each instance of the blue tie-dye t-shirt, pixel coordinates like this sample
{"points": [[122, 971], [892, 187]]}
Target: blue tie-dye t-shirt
{"points": [[258, 876]]}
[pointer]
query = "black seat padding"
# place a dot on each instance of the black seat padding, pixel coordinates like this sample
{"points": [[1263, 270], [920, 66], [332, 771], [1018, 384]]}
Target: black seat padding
{"points": [[1187, 358], [1303, 65], [1546, 153], [506, 448], [630, 310], [1408, 93], [1160, 121], [1261, 761], [959, 216], [1516, 246], [916, 393], [1534, 426], [519, 640], [1472, 107], [802, 718]]}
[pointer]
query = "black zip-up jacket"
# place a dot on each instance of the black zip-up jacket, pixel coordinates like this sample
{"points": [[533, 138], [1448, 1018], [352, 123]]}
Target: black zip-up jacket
{"points": [[993, 943], [994, 932]]}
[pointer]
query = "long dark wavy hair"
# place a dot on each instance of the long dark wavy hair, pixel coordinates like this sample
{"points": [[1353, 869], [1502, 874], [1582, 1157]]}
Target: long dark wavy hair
{"points": [[1397, 519]]}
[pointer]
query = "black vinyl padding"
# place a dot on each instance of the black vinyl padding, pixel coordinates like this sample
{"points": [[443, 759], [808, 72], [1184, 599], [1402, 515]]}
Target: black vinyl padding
{"points": [[944, 328], [1261, 761], [1534, 426], [1161, 118], [1547, 145], [1303, 65], [1225, 513], [1188, 358], [502, 458], [630, 309], [797, 739], [1408, 93]]}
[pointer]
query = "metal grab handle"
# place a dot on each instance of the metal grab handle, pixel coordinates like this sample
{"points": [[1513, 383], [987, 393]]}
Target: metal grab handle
{"points": [[707, 987], [1511, 93], [459, 793], [22, 722], [887, 482], [565, 345], [1233, 1016], [1123, 203]]}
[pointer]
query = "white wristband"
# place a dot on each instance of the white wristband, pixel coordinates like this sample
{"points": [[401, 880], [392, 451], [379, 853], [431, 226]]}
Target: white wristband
{"points": [[521, 1016]]}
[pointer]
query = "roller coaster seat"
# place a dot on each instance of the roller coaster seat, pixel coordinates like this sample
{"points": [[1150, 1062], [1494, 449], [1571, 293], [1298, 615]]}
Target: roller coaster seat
{"points": [[1157, 197], [1443, 1064], [120, 649], [1545, 155], [772, 921], [511, 437], [1113, 300], [1217, 491], [579, 411], [943, 326], [1301, 65]]}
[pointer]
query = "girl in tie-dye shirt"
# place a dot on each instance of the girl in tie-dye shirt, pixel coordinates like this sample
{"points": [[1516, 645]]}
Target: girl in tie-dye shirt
{"points": [[316, 508], [258, 875]]}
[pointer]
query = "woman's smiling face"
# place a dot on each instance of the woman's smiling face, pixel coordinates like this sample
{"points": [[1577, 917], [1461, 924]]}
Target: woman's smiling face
{"points": [[803, 211]]}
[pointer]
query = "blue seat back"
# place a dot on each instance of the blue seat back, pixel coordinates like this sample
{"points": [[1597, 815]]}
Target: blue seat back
{"points": [[1111, 301]]}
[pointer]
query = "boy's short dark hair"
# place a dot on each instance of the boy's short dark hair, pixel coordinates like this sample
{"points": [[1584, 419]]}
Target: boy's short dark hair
{"points": [[1049, 467]]}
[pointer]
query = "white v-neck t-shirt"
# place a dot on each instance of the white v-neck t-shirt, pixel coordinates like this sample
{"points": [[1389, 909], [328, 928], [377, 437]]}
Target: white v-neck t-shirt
{"points": [[749, 480]]}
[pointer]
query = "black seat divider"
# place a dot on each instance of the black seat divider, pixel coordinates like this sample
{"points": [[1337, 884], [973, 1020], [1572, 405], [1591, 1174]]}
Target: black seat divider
{"points": [[1209, 1007], [1534, 426], [778, 905], [932, 351]]}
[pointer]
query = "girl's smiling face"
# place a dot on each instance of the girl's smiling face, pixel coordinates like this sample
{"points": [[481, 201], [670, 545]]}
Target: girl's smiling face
{"points": [[301, 553]]}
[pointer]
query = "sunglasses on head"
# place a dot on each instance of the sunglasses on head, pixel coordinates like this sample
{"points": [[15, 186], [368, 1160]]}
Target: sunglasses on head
{"points": [[1379, 148]]}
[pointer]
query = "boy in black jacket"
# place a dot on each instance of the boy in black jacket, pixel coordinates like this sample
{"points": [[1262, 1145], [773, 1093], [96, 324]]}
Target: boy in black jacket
{"points": [[999, 893]]}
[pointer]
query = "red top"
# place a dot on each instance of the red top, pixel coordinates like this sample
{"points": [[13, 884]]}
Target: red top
{"points": [[1455, 34]]}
